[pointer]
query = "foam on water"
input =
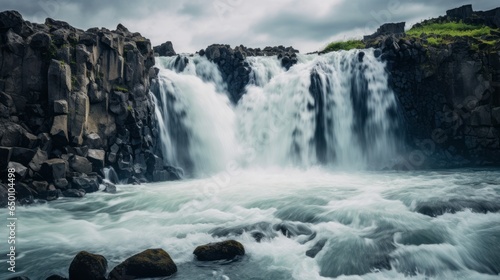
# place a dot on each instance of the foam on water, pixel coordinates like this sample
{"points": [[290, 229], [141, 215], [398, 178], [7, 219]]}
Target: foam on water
{"points": [[368, 222]]}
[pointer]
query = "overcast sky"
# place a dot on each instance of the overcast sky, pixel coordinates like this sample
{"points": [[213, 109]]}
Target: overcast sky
{"points": [[191, 25]]}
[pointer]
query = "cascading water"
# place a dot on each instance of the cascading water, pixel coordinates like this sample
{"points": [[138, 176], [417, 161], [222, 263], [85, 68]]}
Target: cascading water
{"points": [[333, 109], [196, 118], [295, 223]]}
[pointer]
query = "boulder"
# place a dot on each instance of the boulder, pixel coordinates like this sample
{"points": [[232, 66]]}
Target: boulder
{"points": [[87, 266], [80, 164], [74, 193], [109, 187], [53, 169], [224, 250], [59, 130], [38, 159], [11, 19], [93, 141], [20, 170], [22, 155], [88, 184], [96, 157], [61, 107], [147, 264], [61, 183]]}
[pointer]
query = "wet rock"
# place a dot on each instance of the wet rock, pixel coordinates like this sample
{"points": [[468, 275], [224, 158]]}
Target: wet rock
{"points": [[258, 231], [438, 208], [88, 184], [19, 278], [290, 229], [24, 194], [74, 193], [147, 264], [224, 250], [318, 246], [109, 187], [87, 266]]}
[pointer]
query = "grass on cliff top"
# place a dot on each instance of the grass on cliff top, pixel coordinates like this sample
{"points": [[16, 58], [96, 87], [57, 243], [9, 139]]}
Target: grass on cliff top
{"points": [[345, 45], [443, 33], [454, 29]]}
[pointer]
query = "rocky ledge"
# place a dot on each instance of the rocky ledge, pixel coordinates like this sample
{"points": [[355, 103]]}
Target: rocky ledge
{"points": [[73, 102]]}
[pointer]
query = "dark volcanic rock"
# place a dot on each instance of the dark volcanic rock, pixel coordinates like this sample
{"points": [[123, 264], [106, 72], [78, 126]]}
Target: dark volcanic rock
{"points": [[236, 71], [87, 266], [148, 264], [224, 250], [54, 169], [165, 49], [60, 83]]}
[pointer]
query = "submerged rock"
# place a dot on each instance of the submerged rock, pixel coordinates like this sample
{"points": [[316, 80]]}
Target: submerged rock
{"points": [[224, 250], [150, 263], [87, 266]]}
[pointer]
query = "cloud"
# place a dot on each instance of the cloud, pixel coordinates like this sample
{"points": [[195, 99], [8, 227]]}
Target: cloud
{"points": [[194, 24]]}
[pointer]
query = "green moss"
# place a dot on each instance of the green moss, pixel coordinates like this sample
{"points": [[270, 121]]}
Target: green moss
{"points": [[443, 33], [120, 88], [344, 45]]}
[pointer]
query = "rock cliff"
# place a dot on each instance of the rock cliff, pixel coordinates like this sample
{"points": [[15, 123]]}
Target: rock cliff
{"points": [[449, 93], [72, 102]]}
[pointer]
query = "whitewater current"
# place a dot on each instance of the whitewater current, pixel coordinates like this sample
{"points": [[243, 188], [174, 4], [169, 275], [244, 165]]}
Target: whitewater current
{"points": [[335, 110], [294, 171]]}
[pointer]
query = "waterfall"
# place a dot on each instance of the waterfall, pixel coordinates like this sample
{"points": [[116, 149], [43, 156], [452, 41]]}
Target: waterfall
{"points": [[335, 109], [196, 117]]}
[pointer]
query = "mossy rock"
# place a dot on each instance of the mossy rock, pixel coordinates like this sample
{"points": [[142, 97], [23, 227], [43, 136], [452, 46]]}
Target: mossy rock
{"points": [[149, 263], [224, 250]]}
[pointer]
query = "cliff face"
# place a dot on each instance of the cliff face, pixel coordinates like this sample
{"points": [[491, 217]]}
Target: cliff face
{"points": [[449, 94], [76, 99]]}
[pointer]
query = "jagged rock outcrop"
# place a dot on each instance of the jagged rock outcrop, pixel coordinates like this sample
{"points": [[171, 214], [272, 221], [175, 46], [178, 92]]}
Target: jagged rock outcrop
{"points": [[236, 71], [449, 95], [165, 49], [76, 101]]}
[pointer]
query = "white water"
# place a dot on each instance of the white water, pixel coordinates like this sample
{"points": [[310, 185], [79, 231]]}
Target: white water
{"points": [[365, 219], [264, 152], [279, 120]]}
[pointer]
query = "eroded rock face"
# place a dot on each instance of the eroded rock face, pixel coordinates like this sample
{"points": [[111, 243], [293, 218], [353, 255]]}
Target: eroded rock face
{"points": [[64, 91]]}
